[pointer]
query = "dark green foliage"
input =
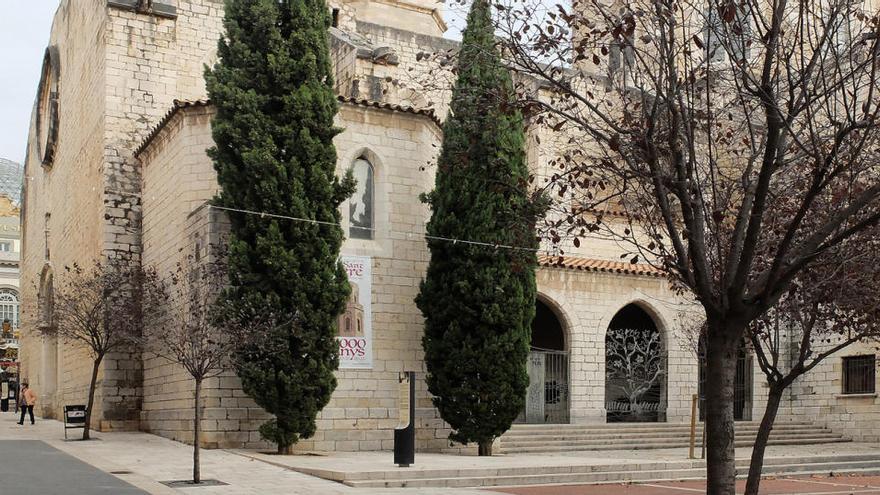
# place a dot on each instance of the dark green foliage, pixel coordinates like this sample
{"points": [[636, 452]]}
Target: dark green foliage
{"points": [[272, 88], [479, 301]]}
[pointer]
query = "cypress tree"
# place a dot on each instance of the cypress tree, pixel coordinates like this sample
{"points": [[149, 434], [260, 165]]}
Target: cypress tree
{"points": [[273, 91], [479, 301]]}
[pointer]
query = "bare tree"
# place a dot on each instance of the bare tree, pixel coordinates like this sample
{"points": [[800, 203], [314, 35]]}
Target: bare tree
{"points": [[99, 309], [826, 310], [191, 325], [735, 140], [184, 327], [634, 365]]}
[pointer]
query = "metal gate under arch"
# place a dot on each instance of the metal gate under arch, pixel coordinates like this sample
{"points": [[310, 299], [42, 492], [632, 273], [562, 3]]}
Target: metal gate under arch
{"points": [[547, 397]]}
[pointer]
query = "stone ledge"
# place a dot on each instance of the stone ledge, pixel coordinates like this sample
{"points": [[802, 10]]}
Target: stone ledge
{"points": [[855, 396], [156, 8]]}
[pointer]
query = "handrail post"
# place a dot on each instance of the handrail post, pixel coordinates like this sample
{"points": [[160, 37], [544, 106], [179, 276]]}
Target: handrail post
{"points": [[693, 439]]}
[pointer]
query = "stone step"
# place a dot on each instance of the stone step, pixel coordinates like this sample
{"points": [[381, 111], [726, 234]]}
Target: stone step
{"points": [[568, 468], [598, 426], [661, 445], [644, 429], [639, 436], [617, 473], [635, 444], [508, 439]]}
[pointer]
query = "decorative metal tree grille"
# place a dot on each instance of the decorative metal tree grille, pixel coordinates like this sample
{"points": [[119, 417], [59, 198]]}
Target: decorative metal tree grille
{"points": [[635, 372]]}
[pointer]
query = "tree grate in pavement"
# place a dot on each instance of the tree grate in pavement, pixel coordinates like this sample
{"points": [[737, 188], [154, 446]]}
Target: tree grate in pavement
{"points": [[190, 484]]}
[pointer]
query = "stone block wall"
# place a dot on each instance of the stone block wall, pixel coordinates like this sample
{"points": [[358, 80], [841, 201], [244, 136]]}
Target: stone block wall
{"points": [[178, 179], [62, 208], [364, 409], [818, 397], [415, 81]]}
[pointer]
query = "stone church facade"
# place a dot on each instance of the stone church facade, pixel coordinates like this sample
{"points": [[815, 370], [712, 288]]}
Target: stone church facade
{"points": [[117, 169]]}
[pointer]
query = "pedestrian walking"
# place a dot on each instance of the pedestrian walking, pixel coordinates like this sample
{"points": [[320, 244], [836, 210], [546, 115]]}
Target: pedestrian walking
{"points": [[27, 398]]}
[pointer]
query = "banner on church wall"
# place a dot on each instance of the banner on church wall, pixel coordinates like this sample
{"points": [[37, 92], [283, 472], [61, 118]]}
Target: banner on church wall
{"points": [[355, 328]]}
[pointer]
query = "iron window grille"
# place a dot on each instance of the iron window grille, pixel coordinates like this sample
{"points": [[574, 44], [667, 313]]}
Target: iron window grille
{"points": [[859, 374]]}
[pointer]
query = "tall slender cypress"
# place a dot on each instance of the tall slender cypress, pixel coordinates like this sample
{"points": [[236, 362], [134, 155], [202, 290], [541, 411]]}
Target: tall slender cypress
{"points": [[273, 91], [479, 301]]}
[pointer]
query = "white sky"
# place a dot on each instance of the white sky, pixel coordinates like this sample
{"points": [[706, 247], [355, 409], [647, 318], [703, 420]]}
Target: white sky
{"points": [[24, 34]]}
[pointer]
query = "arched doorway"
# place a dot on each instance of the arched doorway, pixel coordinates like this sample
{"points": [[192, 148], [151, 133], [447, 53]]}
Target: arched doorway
{"points": [[742, 385], [547, 398], [635, 368]]}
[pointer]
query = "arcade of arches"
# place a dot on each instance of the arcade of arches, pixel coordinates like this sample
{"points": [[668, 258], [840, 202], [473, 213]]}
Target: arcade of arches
{"points": [[636, 370]]}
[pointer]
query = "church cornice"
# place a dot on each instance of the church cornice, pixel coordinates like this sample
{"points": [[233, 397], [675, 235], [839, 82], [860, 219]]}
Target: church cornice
{"points": [[157, 8], [599, 266], [421, 9], [179, 105], [429, 113]]}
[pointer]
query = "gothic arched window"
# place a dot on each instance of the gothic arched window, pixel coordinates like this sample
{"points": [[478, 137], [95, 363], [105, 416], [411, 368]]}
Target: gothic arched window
{"points": [[360, 205]]}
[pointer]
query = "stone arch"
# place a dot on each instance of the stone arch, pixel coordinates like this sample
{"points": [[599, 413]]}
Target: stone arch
{"points": [[635, 382], [546, 308], [46, 298], [660, 320], [48, 378], [548, 394], [47, 105]]}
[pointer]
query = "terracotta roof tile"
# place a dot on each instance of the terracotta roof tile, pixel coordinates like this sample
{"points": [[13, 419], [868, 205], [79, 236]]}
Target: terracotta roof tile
{"points": [[391, 106], [180, 104], [596, 265], [175, 107]]}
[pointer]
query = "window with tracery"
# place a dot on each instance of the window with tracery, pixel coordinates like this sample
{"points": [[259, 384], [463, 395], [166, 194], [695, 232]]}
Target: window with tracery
{"points": [[360, 206]]}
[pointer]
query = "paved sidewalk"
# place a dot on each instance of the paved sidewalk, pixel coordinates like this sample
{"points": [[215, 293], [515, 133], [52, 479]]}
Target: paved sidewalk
{"points": [[147, 460], [35, 467], [117, 460], [361, 465]]}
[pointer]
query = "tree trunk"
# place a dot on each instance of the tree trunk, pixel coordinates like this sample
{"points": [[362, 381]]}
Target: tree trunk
{"points": [[721, 353], [757, 463], [485, 448], [197, 432], [88, 422], [283, 449]]}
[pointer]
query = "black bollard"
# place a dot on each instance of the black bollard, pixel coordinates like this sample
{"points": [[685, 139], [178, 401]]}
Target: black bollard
{"points": [[405, 433]]}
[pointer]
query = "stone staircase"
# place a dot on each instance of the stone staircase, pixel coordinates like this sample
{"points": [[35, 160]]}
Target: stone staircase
{"points": [[611, 472], [530, 439]]}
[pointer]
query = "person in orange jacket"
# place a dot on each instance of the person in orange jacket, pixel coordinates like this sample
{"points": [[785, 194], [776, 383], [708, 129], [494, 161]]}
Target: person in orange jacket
{"points": [[28, 399]]}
